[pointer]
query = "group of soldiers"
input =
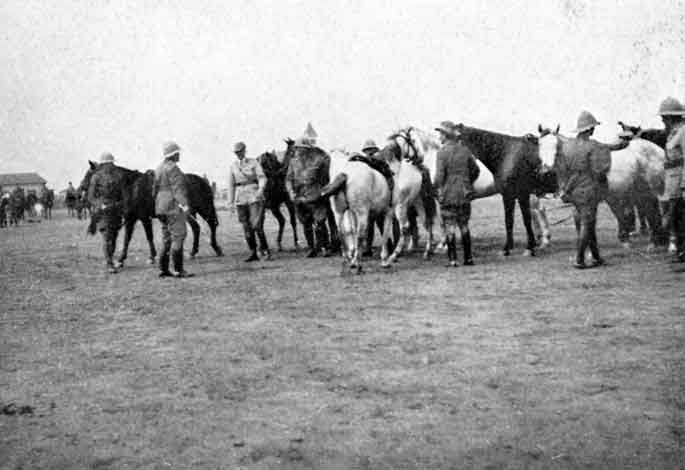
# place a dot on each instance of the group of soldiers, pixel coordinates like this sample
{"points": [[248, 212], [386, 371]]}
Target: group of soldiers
{"points": [[456, 169]]}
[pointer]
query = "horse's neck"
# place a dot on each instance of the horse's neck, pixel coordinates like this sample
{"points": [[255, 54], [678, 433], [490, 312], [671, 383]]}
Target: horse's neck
{"points": [[488, 148]]}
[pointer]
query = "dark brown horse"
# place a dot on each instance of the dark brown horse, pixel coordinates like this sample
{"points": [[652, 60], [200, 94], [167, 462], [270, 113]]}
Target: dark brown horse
{"points": [[139, 204], [275, 193], [514, 163]]}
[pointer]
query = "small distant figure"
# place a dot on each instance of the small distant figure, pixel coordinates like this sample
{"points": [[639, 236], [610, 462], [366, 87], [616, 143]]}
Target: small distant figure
{"points": [[456, 170], [246, 184], [171, 205], [17, 204], [105, 192], [48, 200], [70, 200]]}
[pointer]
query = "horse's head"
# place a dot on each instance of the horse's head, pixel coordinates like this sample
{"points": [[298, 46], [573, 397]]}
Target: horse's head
{"points": [[85, 182], [634, 130], [549, 148], [405, 146], [270, 164]]}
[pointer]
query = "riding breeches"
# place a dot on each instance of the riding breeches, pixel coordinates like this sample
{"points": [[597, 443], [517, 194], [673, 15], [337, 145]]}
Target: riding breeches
{"points": [[174, 231], [314, 213], [108, 224], [251, 216], [586, 215]]}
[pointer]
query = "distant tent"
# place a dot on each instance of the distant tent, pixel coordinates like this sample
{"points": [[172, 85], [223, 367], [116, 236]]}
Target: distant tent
{"points": [[310, 133]]}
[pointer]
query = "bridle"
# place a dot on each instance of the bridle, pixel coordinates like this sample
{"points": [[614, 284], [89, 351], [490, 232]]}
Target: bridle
{"points": [[405, 135]]}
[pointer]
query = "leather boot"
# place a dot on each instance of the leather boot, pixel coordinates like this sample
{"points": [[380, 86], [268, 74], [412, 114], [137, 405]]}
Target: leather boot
{"points": [[309, 235], [452, 252], [263, 246], [252, 245], [164, 264], [466, 244], [177, 256]]}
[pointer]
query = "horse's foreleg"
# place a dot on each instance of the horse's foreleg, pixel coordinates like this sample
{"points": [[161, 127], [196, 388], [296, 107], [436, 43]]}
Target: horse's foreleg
{"points": [[334, 237], [524, 206], [509, 203], [428, 226], [147, 226], [293, 221], [386, 233], [276, 211], [195, 227], [618, 205], [129, 225], [401, 214], [648, 208]]}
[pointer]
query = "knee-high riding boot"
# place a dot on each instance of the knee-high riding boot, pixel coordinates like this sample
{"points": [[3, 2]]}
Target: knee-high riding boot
{"points": [[466, 244]]}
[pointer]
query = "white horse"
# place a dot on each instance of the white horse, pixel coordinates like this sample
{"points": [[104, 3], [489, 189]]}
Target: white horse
{"points": [[636, 177], [404, 152], [357, 191]]}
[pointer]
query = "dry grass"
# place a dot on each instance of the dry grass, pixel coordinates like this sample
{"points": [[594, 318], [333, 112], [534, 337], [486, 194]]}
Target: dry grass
{"points": [[514, 363]]}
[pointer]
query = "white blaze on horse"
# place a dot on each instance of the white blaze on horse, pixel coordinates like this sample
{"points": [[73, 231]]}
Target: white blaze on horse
{"points": [[357, 191], [636, 177]]}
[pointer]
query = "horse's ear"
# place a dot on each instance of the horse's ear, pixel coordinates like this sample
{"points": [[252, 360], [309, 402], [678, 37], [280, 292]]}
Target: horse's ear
{"points": [[539, 128], [556, 131], [92, 164]]}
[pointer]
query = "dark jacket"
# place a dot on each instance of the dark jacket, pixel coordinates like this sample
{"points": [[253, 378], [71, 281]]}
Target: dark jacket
{"points": [[456, 170], [106, 187], [586, 165], [308, 174], [170, 189]]}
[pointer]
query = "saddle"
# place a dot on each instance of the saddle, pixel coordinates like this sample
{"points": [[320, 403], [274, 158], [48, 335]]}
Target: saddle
{"points": [[380, 166]]}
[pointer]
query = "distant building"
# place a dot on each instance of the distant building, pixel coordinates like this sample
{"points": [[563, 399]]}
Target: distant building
{"points": [[31, 182]]}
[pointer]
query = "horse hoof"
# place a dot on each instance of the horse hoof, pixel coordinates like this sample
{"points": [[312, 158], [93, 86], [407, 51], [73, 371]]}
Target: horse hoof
{"points": [[504, 253], [672, 248], [151, 261], [528, 252], [119, 265], [626, 245]]}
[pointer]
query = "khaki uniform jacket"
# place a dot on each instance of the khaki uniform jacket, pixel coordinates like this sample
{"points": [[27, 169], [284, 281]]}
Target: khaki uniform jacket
{"points": [[456, 169], [170, 189], [246, 181], [106, 187], [586, 163], [308, 174]]}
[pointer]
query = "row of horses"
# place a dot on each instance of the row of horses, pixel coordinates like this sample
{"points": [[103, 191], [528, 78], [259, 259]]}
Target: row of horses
{"points": [[516, 167], [15, 205]]}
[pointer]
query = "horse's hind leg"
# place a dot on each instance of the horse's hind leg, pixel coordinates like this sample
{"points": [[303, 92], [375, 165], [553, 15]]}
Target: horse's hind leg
{"points": [[401, 214], [524, 206], [209, 216], [618, 207], [195, 227], [509, 203], [128, 233], [334, 239], [293, 221], [276, 211], [147, 226]]}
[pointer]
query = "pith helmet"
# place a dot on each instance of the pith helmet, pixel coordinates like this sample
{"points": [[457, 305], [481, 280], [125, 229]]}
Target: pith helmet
{"points": [[171, 149], [106, 158], [239, 147], [671, 107], [369, 145], [448, 128], [586, 121]]}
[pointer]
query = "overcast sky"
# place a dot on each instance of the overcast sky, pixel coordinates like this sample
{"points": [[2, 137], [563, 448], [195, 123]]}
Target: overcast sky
{"points": [[83, 77]]}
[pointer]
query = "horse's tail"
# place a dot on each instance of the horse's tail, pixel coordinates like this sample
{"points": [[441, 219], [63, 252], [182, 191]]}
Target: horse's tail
{"points": [[338, 184]]}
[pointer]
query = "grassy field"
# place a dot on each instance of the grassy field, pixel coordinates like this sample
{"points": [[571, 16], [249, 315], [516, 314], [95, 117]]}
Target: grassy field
{"points": [[515, 363]]}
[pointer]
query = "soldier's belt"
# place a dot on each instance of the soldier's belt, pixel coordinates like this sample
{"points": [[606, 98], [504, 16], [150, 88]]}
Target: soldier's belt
{"points": [[246, 183]]}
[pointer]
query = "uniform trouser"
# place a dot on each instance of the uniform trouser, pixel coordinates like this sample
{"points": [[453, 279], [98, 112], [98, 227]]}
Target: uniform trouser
{"points": [[457, 216], [251, 217], [173, 235], [314, 213], [677, 219], [108, 224], [586, 219]]}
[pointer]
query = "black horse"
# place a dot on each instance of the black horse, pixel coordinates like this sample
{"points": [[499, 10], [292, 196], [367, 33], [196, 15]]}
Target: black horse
{"points": [[275, 193], [139, 204], [515, 163], [656, 136]]}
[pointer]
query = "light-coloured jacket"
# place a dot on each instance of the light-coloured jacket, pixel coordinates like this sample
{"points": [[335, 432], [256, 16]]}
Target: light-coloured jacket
{"points": [[246, 182], [170, 189]]}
